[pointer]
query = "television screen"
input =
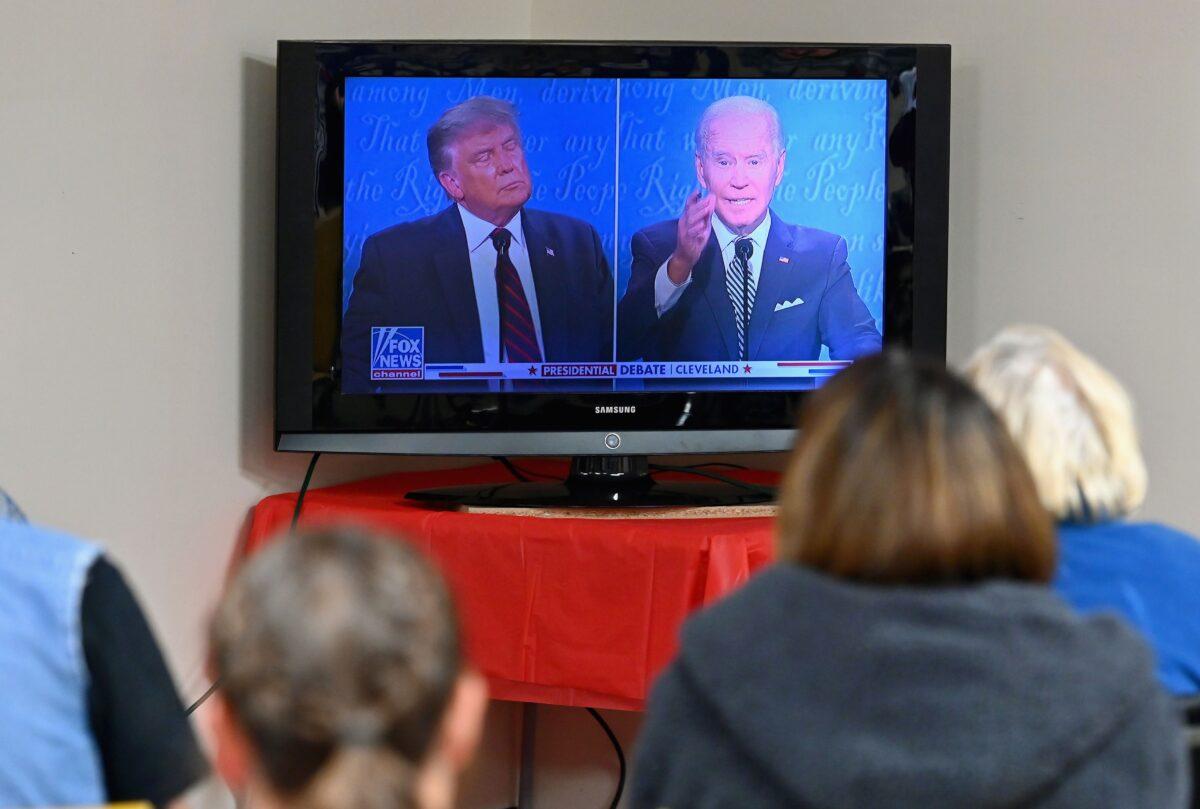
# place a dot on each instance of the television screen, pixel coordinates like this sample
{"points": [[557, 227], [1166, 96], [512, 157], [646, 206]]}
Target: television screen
{"points": [[527, 246], [592, 177]]}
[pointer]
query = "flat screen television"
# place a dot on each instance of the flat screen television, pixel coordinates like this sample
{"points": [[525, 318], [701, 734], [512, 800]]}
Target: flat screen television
{"points": [[599, 250]]}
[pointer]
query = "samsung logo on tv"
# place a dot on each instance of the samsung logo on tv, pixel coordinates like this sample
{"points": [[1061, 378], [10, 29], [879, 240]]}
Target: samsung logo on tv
{"points": [[605, 409]]}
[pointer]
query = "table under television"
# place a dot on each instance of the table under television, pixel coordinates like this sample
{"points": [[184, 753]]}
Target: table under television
{"points": [[558, 607]]}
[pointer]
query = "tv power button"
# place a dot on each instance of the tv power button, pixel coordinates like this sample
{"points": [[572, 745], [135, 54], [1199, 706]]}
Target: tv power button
{"points": [[612, 440]]}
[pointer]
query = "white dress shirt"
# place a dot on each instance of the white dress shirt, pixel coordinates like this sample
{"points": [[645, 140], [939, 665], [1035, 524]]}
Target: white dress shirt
{"points": [[483, 272], [667, 293]]}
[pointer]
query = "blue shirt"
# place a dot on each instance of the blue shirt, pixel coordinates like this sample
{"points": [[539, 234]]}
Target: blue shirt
{"points": [[48, 756], [1147, 573]]}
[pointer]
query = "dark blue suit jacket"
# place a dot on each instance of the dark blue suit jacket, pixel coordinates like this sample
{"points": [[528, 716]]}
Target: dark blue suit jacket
{"points": [[799, 263], [419, 274]]}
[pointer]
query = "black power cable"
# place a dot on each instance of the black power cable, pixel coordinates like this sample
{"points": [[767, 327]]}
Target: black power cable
{"points": [[714, 463], [612, 737], [696, 470], [295, 517], [307, 479], [191, 708], [520, 474], [512, 468]]}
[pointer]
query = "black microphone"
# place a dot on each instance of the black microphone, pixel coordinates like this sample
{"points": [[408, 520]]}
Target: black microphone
{"points": [[743, 248]]}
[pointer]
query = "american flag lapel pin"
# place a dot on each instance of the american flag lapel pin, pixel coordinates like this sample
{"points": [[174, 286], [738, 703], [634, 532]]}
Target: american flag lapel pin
{"points": [[784, 260], [549, 251]]}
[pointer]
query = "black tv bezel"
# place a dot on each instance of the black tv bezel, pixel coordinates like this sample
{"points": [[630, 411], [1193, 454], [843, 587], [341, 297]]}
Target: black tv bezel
{"points": [[310, 413]]}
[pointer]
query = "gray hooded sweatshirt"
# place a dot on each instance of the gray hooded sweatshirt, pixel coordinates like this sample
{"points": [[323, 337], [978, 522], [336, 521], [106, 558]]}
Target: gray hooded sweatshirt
{"points": [[801, 690]]}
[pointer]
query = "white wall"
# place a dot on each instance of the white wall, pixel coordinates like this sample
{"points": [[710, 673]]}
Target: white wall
{"points": [[1075, 164], [137, 205], [136, 225], [136, 241]]}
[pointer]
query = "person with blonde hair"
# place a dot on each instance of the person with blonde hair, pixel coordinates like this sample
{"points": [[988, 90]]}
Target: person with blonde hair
{"points": [[342, 683], [905, 650], [1075, 425]]}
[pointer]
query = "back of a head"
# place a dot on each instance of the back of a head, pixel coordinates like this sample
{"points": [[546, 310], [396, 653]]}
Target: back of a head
{"points": [[1072, 420], [903, 475], [337, 654]]}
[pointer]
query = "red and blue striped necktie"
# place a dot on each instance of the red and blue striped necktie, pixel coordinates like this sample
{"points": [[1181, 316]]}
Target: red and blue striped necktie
{"points": [[517, 334]]}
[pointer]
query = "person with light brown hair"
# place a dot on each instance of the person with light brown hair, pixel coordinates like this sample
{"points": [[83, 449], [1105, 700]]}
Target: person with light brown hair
{"points": [[1075, 425], [342, 682], [905, 651]]}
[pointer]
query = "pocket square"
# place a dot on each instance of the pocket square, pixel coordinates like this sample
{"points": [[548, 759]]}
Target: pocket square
{"points": [[779, 307]]}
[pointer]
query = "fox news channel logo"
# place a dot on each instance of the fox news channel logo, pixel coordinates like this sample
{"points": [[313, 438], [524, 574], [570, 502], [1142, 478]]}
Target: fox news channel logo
{"points": [[397, 352]]}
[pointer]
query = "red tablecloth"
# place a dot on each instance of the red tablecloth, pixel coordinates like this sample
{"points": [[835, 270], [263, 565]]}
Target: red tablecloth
{"points": [[559, 611]]}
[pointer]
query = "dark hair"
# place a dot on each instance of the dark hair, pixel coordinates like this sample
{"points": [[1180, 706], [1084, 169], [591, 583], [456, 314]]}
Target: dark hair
{"points": [[337, 654], [902, 474], [480, 112]]}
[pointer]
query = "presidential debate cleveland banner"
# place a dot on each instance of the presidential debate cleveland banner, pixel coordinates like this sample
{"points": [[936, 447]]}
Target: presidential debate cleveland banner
{"points": [[576, 233]]}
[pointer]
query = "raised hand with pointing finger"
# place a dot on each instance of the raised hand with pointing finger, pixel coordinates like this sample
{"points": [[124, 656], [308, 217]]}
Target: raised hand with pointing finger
{"points": [[692, 234]]}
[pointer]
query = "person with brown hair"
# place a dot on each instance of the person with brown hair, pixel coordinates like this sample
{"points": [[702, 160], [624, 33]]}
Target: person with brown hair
{"points": [[342, 679], [905, 650]]}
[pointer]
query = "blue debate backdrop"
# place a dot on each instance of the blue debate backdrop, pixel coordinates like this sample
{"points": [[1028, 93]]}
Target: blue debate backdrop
{"points": [[619, 154], [834, 133], [570, 133]]}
